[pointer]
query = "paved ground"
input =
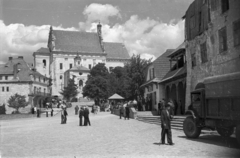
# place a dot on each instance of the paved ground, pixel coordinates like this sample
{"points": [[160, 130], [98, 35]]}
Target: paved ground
{"points": [[107, 137]]}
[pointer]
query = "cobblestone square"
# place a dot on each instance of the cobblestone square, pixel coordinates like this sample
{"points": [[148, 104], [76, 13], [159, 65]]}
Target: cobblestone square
{"points": [[107, 137]]}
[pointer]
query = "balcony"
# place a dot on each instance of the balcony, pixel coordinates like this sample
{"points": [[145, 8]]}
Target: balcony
{"points": [[39, 94]]}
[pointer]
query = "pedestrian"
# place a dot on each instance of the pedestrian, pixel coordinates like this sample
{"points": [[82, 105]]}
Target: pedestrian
{"points": [[38, 113], [65, 115], [62, 116], [76, 109], [81, 115], [127, 109], [51, 112], [166, 117], [86, 117], [121, 111]]}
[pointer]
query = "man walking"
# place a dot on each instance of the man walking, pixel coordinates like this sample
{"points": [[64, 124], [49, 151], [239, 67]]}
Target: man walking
{"points": [[121, 111], [65, 115], [166, 117], [86, 117], [81, 115]]}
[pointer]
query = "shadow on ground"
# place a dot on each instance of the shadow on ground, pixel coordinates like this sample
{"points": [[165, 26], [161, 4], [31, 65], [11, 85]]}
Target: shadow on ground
{"points": [[216, 140]]}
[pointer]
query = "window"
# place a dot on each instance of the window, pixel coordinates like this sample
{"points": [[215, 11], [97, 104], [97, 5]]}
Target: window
{"points": [[236, 32], [44, 90], [34, 89], [61, 66], [6, 77], [214, 4], [222, 39], [39, 89], [78, 62], [7, 89], [203, 48], [192, 22], [60, 77], [3, 89], [39, 79], [70, 66], [193, 60], [150, 74], [84, 59], [44, 63], [0, 77], [153, 72], [90, 66], [224, 5], [66, 59]]}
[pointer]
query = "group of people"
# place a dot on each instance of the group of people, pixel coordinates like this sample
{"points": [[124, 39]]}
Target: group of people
{"points": [[83, 115], [125, 110]]}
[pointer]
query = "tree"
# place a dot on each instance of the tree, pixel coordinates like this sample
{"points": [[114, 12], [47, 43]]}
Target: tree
{"points": [[70, 91], [135, 71], [96, 86], [17, 101]]}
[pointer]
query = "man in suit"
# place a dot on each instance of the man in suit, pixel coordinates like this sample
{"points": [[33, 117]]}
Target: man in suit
{"points": [[81, 115], [166, 117], [86, 117], [121, 111], [65, 115]]}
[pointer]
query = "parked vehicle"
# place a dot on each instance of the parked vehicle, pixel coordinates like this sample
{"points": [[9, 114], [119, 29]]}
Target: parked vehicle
{"points": [[216, 105]]}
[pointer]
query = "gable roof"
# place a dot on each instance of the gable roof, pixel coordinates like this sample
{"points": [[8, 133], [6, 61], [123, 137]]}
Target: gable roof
{"points": [[23, 74], [79, 69], [76, 41], [116, 51], [42, 51], [162, 64]]}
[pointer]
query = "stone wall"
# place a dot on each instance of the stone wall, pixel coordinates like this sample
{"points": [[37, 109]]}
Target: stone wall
{"points": [[20, 88]]}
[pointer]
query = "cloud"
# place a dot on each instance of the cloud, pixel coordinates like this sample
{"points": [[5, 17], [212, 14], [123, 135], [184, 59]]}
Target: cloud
{"points": [[147, 37], [21, 40]]}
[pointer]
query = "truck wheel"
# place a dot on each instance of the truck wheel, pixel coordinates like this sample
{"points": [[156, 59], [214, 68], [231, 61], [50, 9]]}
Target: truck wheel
{"points": [[238, 133], [190, 128], [225, 131]]}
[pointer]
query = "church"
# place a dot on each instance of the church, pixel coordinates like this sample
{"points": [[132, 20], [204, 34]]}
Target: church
{"points": [[72, 54]]}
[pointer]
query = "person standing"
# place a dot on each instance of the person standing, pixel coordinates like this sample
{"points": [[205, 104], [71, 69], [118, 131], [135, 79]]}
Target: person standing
{"points": [[62, 116], [86, 117], [81, 115], [159, 107], [76, 109], [166, 117], [52, 112], [65, 115], [121, 111], [127, 109]]}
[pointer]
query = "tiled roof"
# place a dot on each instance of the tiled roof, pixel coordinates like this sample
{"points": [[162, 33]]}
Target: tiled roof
{"points": [[42, 51], [76, 41], [23, 74], [116, 51], [175, 73], [162, 64]]}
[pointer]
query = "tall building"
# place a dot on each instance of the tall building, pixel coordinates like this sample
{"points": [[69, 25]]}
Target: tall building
{"points": [[72, 54], [16, 76], [212, 40]]}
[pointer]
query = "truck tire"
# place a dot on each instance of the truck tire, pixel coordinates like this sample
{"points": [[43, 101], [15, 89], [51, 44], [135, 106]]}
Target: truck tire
{"points": [[190, 128], [225, 131], [238, 133]]}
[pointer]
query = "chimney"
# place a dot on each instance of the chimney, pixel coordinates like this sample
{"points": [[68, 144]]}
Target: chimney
{"points": [[10, 58], [20, 57]]}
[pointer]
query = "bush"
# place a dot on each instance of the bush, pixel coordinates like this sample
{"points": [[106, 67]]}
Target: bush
{"points": [[3, 109]]}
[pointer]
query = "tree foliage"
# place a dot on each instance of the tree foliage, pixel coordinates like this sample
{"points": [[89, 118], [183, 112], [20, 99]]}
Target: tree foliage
{"points": [[17, 101], [70, 91]]}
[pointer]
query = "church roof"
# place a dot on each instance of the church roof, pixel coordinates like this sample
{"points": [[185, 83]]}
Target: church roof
{"points": [[42, 51], [116, 51], [76, 41]]}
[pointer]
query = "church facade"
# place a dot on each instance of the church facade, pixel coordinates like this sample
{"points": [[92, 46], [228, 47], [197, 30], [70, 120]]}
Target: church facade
{"points": [[72, 54]]}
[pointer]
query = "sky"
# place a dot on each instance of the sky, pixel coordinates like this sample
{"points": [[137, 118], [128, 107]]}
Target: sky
{"points": [[146, 27]]}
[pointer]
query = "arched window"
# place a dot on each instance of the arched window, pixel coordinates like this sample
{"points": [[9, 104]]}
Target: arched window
{"points": [[44, 63], [60, 77]]}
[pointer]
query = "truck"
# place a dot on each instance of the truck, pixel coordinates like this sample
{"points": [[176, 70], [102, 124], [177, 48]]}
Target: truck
{"points": [[215, 105]]}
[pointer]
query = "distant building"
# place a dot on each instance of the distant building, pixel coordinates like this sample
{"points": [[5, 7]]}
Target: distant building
{"points": [[73, 53], [153, 88], [16, 76], [212, 40]]}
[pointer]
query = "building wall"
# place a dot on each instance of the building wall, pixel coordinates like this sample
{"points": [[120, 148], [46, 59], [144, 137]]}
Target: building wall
{"points": [[218, 62], [39, 65], [20, 88]]}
